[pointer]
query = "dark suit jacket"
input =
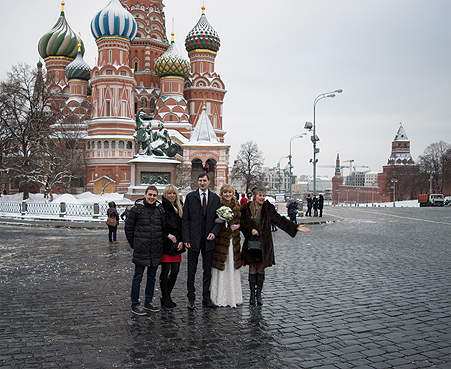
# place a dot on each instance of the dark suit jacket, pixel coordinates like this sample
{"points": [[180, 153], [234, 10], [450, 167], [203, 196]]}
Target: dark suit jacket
{"points": [[192, 220]]}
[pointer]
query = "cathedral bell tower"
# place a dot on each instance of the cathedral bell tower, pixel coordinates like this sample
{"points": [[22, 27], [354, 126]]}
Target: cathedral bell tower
{"points": [[110, 142], [203, 83]]}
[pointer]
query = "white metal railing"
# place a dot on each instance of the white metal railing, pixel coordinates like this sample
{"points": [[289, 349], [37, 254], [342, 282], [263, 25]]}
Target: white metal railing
{"points": [[62, 209]]}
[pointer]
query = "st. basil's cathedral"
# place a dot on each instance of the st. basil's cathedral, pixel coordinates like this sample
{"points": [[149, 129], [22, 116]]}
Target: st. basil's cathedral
{"points": [[138, 68]]}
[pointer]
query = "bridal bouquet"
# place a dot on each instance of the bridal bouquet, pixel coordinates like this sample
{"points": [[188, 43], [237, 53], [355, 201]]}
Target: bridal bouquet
{"points": [[225, 213]]}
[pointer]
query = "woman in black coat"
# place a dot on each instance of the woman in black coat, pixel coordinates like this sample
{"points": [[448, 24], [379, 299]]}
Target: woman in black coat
{"points": [[172, 247], [315, 206], [256, 219], [112, 230]]}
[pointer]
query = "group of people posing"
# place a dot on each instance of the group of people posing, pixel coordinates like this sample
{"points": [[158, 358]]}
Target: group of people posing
{"points": [[159, 232], [317, 203]]}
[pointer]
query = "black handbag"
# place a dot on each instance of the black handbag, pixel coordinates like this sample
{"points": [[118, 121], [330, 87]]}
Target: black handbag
{"points": [[173, 249], [254, 245]]}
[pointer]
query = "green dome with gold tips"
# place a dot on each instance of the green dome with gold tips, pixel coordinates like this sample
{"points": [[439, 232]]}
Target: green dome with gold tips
{"points": [[172, 63], [60, 41]]}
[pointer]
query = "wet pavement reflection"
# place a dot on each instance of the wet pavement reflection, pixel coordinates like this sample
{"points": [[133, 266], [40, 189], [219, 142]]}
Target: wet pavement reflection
{"points": [[369, 291]]}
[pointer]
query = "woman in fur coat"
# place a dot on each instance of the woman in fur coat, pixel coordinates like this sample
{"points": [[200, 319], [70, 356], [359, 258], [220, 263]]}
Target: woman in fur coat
{"points": [[225, 287], [256, 219]]}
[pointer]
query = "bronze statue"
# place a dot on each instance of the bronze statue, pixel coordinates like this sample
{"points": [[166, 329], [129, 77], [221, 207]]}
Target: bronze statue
{"points": [[157, 142]]}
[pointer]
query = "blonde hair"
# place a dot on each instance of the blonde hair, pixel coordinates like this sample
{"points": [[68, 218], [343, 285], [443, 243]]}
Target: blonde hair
{"points": [[226, 188], [177, 203]]}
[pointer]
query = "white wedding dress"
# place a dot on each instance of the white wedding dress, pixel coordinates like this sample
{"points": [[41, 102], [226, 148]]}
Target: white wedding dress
{"points": [[225, 286]]}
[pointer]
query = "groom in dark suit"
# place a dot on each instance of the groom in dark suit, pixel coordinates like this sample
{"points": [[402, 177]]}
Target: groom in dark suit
{"points": [[199, 231]]}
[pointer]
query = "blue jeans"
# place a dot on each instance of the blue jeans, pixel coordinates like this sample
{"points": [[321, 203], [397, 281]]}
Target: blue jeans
{"points": [[112, 231], [136, 284]]}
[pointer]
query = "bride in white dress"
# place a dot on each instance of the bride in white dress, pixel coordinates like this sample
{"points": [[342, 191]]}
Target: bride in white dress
{"points": [[225, 287]]}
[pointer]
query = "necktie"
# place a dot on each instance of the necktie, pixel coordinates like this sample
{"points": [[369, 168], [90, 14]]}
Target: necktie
{"points": [[204, 204]]}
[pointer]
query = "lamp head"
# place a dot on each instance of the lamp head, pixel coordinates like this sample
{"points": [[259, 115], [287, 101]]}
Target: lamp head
{"points": [[308, 125], [339, 91]]}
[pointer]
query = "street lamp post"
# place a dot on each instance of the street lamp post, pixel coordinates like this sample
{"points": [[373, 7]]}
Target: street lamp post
{"points": [[358, 189], [289, 159], [278, 169], [394, 181], [315, 138]]}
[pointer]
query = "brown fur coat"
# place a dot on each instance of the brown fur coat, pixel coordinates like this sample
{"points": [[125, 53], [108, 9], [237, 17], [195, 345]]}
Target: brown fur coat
{"points": [[268, 215], [222, 240]]}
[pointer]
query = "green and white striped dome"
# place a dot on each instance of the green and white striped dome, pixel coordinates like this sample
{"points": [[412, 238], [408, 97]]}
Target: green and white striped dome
{"points": [[60, 41]]}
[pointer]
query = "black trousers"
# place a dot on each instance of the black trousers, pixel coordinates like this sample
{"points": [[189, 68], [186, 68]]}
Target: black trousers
{"points": [[193, 259]]}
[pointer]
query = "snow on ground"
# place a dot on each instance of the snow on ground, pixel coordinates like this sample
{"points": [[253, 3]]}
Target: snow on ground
{"points": [[83, 198]]}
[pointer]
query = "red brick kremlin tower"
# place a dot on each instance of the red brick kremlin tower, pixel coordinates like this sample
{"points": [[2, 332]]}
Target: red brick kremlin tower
{"points": [[337, 181], [399, 171]]}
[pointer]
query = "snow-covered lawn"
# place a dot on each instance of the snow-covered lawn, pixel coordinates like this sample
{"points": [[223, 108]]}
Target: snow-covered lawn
{"points": [[83, 198]]}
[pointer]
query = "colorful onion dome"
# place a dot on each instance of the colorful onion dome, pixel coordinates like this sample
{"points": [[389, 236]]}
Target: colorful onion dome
{"points": [[202, 36], [60, 40], [172, 63], [78, 68], [114, 21]]}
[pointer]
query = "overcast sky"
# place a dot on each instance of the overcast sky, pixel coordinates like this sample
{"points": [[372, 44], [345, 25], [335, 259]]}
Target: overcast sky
{"points": [[392, 58]]}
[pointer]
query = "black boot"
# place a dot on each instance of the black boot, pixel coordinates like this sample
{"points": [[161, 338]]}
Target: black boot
{"points": [[260, 279], [165, 302], [171, 284], [252, 284]]}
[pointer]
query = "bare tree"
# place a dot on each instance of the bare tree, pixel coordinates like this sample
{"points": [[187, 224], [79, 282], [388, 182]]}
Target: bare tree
{"points": [[105, 182], [25, 119], [36, 151], [248, 166], [62, 159], [435, 163]]}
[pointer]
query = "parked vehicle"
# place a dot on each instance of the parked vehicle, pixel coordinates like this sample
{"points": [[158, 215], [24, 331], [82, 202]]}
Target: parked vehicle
{"points": [[431, 199]]}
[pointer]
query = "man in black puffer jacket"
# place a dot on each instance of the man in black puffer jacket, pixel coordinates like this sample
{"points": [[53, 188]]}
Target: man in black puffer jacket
{"points": [[144, 229]]}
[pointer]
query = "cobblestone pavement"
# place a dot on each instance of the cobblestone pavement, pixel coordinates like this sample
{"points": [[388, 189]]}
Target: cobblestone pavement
{"points": [[370, 291]]}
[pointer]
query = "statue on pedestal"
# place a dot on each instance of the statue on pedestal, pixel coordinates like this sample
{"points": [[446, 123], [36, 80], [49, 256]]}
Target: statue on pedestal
{"points": [[157, 142]]}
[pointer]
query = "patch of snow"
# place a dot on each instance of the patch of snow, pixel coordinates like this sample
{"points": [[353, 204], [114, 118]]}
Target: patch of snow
{"points": [[84, 198], [67, 198]]}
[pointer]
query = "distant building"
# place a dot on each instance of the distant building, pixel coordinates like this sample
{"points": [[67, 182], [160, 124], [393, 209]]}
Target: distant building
{"points": [[400, 172], [397, 178], [277, 180], [371, 179], [322, 183], [356, 179]]}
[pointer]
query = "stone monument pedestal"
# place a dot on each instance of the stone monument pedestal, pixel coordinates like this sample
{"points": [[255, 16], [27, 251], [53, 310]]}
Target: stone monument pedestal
{"points": [[150, 170]]}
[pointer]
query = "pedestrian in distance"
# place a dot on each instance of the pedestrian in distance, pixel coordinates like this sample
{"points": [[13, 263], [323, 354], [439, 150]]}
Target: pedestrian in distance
{"points": [[293, 210], [320, 204], [112, 230], [172, 246], [124, 214], [256, 218], [225, 286], [145, 232], [315, 206], [199, 231], [309, 205], [243, 199]]}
